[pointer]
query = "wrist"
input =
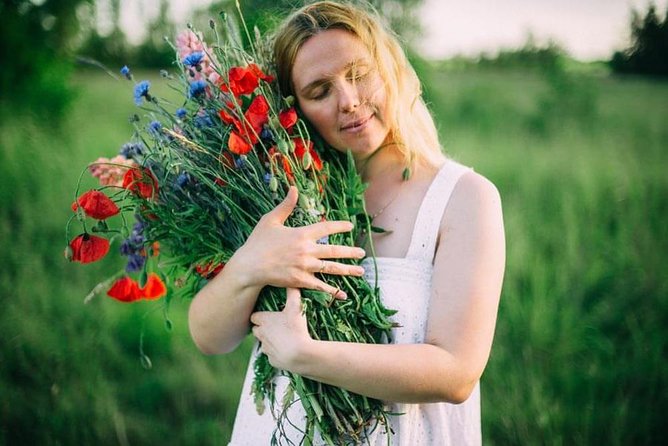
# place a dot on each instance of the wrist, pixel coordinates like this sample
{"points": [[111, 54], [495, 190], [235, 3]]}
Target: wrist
{"points": [[242, 272], [308, 357]]}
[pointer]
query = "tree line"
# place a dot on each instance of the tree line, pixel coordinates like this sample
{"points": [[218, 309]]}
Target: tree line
{"points": [[42, 42]]}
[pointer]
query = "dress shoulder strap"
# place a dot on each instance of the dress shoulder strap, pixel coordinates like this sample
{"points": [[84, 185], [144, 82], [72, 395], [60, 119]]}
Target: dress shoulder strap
{"points": [[428, 221]]}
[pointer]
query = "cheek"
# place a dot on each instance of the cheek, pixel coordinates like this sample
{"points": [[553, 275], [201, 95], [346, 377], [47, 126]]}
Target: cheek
{"points": [[319, 117]]}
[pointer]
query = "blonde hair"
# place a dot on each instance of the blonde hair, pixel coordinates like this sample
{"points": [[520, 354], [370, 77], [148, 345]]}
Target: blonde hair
{"points": [[411, 124]]}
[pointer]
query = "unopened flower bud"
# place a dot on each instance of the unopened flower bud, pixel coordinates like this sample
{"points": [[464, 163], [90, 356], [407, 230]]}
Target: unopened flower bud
{"points": [[303, 201], [68, 253], [274, 122], [283, 146], [273, 184], [212, 24], [289, 101], [307, 161]]}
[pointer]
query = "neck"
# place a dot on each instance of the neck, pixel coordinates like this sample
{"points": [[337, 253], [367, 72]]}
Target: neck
{"points": [[386, 160]]}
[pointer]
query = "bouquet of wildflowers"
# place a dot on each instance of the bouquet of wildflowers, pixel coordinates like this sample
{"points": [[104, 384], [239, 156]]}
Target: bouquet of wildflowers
{"points": [[191, 185]]}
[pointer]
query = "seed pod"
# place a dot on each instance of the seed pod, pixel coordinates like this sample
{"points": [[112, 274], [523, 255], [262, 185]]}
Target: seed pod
{"points": [[303, 201], [284, 146], [273, 184], [289, 100], [274, 122], [307, 160]]}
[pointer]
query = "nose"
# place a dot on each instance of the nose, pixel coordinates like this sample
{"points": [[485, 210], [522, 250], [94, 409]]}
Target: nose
{"points": [[349, 98]]}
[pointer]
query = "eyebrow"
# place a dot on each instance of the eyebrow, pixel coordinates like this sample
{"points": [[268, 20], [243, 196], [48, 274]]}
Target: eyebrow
{"points": [[318, 82]]}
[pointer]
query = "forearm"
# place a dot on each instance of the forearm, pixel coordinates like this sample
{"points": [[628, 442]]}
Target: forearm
{"points": [[410, 373], [219, 314]]}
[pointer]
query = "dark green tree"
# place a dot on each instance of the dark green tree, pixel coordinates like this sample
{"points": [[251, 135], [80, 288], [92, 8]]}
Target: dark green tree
{"points": [[37, 39], [266, 14], [648, 53]]}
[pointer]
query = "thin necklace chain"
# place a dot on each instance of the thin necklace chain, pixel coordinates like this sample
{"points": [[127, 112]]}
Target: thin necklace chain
{"points": [[373, 217]]}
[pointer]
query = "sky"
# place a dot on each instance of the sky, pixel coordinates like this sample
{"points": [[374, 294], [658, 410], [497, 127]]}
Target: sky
{"points": [[587, 29]]}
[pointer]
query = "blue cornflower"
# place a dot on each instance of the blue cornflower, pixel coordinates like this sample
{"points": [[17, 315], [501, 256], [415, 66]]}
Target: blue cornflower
{"points": [[202, 121], [138, 227], [125, 71], [240, 162], [197, 88], [126, 248], [137, 241], [131, 150], [154, 128], [183, 179], [266, 134], [181, 113], [267, 178], [141, 91], [135, 263], [193, 59]]}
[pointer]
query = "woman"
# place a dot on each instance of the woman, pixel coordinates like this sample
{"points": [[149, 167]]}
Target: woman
{"points": [[440, 264]]}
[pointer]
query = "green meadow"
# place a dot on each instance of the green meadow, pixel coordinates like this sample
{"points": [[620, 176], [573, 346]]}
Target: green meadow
{"points": [[579, 357]]}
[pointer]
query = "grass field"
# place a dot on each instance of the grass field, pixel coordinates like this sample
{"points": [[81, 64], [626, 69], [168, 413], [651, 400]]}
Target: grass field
{"points": [[582, 334]]}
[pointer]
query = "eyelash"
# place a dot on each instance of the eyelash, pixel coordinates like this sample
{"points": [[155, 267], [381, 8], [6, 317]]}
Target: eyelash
{"points": [[325, 92]]}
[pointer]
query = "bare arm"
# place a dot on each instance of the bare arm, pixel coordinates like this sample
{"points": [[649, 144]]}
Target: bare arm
{"points": [[468, 271], [274, 254]]}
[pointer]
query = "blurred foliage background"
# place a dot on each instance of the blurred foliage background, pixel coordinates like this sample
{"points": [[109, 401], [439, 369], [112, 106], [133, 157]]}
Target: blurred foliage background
{"points": [[578, 151]]}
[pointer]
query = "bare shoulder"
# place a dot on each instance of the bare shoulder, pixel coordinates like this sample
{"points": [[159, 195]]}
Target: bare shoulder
{"points": [[475, 199]]}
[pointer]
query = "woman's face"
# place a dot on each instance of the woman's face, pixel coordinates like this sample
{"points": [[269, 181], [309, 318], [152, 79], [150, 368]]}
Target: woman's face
{"points": [[340, 91]]}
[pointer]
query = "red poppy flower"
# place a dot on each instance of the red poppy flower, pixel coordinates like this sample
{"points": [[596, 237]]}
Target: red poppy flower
{"points": [[96, 204], [209, 270], [125, 289], [288, 118], [154, 289], [227, 118], [277, 157], [256, 116], [300, 151], [258, 72], [88, 248], [238, 144], [141, 181], [242, 81]]}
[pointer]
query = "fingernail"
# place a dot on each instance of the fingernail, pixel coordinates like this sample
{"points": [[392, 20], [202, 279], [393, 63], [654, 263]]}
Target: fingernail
{"points": [[341, 295], [360, 271], [361, 253]]}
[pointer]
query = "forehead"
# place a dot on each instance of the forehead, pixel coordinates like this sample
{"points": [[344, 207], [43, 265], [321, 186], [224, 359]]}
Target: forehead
{"points": [[326, 54]]}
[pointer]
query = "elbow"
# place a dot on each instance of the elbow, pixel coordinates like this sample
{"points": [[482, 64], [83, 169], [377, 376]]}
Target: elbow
{"points": [[460, 393], [199, 326]]}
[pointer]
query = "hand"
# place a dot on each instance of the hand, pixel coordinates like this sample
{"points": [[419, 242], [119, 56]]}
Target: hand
{"points": [[277, 255], [283, 334]]}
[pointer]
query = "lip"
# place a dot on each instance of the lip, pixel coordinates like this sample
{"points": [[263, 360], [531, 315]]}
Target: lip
{"points": [[356, 125]]}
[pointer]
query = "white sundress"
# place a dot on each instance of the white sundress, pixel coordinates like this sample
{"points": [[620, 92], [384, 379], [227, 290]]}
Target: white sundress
{"points": [[405, 285]]}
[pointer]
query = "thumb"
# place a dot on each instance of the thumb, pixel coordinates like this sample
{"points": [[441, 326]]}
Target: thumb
{"points": [[285, 207], [293, 301]]}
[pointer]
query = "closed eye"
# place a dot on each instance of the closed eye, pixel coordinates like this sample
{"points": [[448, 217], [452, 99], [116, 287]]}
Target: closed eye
{"points": [[321, 93]]}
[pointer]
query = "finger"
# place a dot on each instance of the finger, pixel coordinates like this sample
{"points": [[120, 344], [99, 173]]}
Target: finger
{"points": [[285, 208], [256, 333], [338, 269], [339, 252], [316, 284], [323, 228], [293, 301], [259, 317]]}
